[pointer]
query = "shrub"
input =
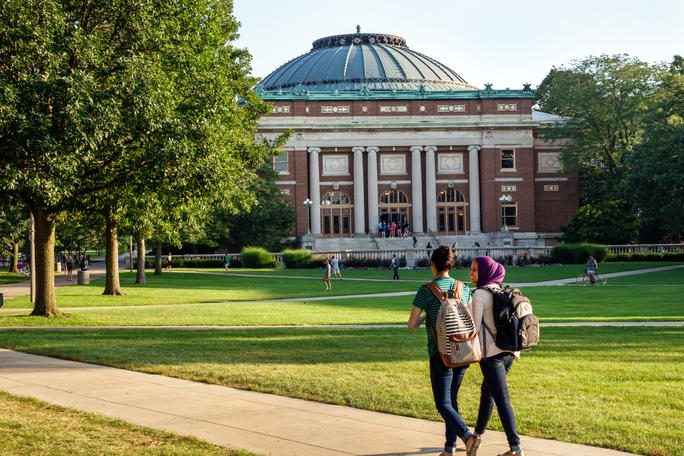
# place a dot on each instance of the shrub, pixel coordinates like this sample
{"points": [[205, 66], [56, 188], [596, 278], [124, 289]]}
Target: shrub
{"points": [[257, 257], [192, 263], [422, 263], [297, 259], [577, 253], [654, 256], [673, 256]]}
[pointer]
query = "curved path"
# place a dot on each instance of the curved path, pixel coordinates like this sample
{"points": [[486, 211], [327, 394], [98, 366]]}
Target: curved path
{"points": [[258, 422]]}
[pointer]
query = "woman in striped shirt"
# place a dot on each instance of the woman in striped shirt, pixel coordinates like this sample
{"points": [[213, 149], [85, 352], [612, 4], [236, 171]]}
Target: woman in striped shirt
{"points": [[445, 380]]}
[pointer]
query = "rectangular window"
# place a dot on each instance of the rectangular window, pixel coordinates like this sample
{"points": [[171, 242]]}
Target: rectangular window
{"points": [[280, 163], [509, 214], [326, 224], [507, 159]]}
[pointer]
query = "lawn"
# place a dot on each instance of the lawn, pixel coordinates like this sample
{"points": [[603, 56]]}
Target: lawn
{"points": [[551, 304], [33, 428], [181, 288], [672, 277], [11, 277], [613, 387], [513, 274]]}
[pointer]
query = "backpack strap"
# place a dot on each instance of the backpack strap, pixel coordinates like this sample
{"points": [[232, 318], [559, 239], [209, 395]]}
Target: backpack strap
{"points": [[442, 295]]}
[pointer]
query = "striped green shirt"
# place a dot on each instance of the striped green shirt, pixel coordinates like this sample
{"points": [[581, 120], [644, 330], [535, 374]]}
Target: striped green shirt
{"points": [[427, 301]]}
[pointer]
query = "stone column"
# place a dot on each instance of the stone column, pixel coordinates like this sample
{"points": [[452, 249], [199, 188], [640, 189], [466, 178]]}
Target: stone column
{"points": [[430, 188], [474, 186], [372, 189], [416, 189], [359, 194], [315, 190]]}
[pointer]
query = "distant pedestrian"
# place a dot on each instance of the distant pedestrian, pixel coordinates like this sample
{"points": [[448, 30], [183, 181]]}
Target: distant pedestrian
{"points": [[454, 248], [70, 268], [488, 252], [429, 249], [395, 266], [383, 227], [326, 275], [168, 261], [226, 262], [335, 266], [415, 243]]}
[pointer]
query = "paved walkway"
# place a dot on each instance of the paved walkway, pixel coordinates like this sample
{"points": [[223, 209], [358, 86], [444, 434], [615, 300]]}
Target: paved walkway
{"points": [[258, 422], [13, 290]]}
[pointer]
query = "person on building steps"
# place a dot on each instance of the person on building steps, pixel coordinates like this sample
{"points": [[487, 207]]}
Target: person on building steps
{"points": [[445, 381], [496, 363]]}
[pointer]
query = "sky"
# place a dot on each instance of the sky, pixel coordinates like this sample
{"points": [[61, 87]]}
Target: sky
{"points": [[506, 43]]}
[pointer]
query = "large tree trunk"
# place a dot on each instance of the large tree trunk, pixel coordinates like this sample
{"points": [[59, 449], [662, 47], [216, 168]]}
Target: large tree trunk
{"points": [[44, 293], [140, 276], [158, 259], [112, 286], [15, 257]]}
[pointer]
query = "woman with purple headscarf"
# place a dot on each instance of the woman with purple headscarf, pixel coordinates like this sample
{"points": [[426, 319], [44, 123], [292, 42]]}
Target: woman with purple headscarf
{"points": [[496, 363]]}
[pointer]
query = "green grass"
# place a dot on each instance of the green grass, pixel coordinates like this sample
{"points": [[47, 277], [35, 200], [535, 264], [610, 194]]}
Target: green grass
{"points": [[11, 277], [551, 304], [513, 274], [181, 288], [672, 277], [613, 387], [33, 428]]}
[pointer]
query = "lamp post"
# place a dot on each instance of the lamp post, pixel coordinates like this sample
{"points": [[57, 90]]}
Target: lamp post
{"points": [[504, 199], [308, 203]]}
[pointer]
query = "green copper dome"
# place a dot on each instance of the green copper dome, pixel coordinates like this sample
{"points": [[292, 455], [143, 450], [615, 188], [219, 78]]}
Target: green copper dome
{"points": [[350, 62]]}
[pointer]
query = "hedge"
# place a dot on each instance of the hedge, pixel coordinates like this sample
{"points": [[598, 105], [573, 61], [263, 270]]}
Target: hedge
{"points": [[192, 263], [297, 259], [638, 256], [577, 253], [257, 257]]}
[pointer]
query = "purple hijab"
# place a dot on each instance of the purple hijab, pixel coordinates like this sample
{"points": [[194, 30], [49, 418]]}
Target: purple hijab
{"points": [[489, 271]]}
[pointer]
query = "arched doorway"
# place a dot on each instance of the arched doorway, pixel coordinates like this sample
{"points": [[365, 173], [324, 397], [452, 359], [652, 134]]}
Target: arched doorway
{"points": [[451, 212], [394, 207], [336, 212]]}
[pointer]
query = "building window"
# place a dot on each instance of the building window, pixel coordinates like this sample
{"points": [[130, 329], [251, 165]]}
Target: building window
{"points": [[280, 163], [335, 198], [507, 159], [509, 214], [393, 197], [450, 196]]}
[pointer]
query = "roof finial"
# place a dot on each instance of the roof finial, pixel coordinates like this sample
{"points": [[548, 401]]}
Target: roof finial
{"points": [[358, 29]]}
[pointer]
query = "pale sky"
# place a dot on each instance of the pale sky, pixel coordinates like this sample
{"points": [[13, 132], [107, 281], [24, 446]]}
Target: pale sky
{"points": [[506, 43]]}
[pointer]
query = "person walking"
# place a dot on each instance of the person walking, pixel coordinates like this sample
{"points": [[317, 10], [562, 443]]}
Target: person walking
{"points": [[335, 265], [226, 262], [168, 261], [326, 275], [445, 381], [415, 243], [496, 363], [70, 268], [395, 265]]}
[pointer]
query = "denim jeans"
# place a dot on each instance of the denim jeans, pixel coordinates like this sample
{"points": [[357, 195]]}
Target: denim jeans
{"points": [[396, 273], [445, 383], [494, 390]]}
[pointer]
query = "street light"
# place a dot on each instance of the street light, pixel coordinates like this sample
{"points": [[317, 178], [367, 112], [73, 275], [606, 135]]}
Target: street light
{"points": [[308, 203], [504, 199]]}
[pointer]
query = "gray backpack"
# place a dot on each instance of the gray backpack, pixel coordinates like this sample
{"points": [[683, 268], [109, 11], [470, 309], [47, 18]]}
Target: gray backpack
{"points": [[456, 337]]}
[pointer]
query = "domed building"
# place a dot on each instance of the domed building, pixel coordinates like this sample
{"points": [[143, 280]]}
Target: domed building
{"points": [[385, 133]]}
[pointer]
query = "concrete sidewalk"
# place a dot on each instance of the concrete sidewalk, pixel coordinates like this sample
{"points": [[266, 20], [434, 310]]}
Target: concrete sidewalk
{"points": [[258, 422], [13, 290]]}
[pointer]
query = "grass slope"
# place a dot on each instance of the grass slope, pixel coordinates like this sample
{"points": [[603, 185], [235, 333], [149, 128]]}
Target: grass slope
{"points": [[11, 277], [613, 387], [33, 428]]}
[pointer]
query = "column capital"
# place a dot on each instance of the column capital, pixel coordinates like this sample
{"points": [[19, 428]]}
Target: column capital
{"points": [[474, 147], [372, 148], [358, 149], [314, 150], [416, 148], [430, 148]]}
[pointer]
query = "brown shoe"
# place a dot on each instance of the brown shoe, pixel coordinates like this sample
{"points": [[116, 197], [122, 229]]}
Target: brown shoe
{"points": [[472, 445]]}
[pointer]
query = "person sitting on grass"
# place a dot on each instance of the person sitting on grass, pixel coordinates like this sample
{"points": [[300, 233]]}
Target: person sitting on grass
{"points": [[445, 380], [326, 275]]}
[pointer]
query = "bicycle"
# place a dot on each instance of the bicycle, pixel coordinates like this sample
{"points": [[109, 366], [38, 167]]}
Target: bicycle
{"points": [[585, 279]]}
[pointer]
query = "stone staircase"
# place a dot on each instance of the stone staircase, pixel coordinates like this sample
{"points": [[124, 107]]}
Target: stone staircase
{"points": [[379, 243]]}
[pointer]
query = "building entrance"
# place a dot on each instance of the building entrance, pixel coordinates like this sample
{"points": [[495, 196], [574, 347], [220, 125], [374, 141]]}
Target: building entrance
{"points": [[451, 212], [394, 207], [336, 213]]}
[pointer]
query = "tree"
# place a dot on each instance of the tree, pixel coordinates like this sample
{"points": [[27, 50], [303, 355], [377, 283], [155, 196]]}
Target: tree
{"points": [[265, 224], [14, 226], [655, 180], [604, 99], [605, 222], [103, 98]]}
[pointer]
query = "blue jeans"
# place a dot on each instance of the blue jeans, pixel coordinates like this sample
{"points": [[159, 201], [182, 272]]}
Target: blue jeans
{"points": [[445, 383], [396, 273], [494, 390]]}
